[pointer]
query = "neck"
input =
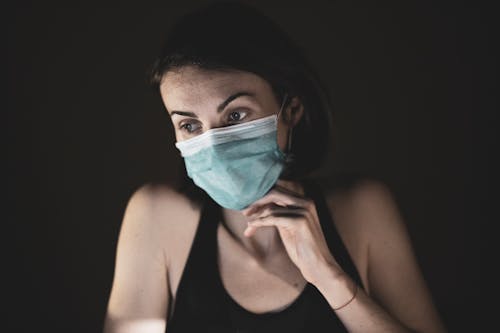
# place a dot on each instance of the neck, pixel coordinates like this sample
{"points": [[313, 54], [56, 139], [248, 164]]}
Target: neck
{"points": [[266, 240]]}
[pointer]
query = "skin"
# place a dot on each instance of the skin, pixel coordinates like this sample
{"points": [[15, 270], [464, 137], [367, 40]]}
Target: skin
{"points": [[266, 255]]}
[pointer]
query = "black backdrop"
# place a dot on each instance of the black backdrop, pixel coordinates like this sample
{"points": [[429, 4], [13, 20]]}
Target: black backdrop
{"points": [[413, 87]]}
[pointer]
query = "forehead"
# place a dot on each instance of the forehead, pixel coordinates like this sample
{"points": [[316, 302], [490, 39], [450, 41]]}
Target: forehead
{"points": [[190, 84]]}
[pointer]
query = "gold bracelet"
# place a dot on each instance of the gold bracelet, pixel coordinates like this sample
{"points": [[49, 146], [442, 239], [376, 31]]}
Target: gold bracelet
{"points": [[354, 295]]}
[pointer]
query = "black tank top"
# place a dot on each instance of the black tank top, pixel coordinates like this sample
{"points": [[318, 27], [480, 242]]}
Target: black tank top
{"points": [[203, 304]]}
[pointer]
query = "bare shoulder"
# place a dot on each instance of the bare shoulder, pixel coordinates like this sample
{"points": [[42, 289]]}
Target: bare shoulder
{"points": [[360, 199], [156, 221], [362, 208], [369, 212], [157, 197], [165, 212], [163, 199], [357, 208]]}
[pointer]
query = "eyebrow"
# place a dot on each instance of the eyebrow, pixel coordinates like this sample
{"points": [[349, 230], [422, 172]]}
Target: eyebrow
{"points": [[221, 106]]}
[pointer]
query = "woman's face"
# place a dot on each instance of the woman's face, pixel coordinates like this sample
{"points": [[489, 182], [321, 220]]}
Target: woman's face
{"points": [[198, 100]]}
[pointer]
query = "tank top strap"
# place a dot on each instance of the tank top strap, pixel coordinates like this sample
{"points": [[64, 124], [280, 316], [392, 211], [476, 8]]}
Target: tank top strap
{"points": [[199, 300], [337, 247], [202, 248]]}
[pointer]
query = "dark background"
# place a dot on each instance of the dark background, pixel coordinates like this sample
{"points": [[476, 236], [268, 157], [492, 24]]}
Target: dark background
{"points": [[413, 84]]}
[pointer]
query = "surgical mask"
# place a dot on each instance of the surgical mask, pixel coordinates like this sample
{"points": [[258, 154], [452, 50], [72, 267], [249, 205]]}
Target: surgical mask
{"points": [[238, 164]]}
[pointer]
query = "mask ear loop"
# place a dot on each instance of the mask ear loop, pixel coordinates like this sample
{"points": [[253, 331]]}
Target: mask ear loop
{"points": [[281, 108], [289, 156]]}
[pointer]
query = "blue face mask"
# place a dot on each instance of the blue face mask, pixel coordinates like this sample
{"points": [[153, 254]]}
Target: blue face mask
{"points": [[235, 165]]}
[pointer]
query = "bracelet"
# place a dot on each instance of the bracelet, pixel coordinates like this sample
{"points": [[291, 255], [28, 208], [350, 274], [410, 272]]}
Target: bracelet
{"points": [[349, 301]]}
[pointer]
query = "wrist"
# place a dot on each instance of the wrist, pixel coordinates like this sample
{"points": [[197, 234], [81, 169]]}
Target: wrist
{"points": [[336, 285], [326, 272]]}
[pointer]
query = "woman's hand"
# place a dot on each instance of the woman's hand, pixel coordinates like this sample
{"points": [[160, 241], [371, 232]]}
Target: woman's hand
{"points": [[299, 227]]}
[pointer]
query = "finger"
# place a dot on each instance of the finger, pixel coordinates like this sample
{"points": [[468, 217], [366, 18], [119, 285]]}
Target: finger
{"points": [[277, 197], [272, 209], [250, 231], [283, 221]]}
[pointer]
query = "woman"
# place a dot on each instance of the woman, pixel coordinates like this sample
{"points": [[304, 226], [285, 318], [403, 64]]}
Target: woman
{"points": [[252, 243]]}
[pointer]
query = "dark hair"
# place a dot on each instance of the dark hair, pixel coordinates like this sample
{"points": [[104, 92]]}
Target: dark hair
{"points": [[230, 36]]}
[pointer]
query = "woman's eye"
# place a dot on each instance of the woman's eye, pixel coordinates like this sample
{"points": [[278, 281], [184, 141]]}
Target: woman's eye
{"points": [[237, 115], [189, 127], [233, 116]]}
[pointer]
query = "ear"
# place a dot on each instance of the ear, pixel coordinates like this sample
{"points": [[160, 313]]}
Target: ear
{"points": [[294, 111]]}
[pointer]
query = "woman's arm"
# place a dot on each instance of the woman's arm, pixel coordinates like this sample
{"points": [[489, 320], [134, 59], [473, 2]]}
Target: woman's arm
{"points": [[139, 296], [398, 300]]}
